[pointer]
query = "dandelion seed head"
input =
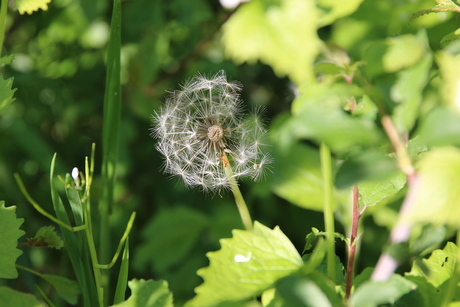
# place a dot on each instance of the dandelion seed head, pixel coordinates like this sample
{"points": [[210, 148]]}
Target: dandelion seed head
{"points": [[203, 121]]}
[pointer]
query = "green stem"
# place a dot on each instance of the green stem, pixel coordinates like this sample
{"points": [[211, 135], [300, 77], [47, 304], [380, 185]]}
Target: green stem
{"points": [[240, 203], [326, 169], [3, 11]]}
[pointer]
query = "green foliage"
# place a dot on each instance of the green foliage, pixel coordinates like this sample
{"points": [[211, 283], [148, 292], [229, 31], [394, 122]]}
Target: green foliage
{"points": [[246, 265], [10, 297], [374, 191], [6, 93], [30, 6], [253, 33], [9, 228], [148, 293], [67, 289], [46, 236]]}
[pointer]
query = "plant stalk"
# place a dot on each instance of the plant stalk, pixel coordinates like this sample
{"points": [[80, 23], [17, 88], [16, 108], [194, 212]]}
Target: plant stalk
{"points": [[352, 246], [240, 203], [326, 169]]}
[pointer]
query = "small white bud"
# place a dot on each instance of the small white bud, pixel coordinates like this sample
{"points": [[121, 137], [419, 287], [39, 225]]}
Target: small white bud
{"points": [[75, 175]]}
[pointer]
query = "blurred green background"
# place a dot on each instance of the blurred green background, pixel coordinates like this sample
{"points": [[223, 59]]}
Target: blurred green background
{"points": [[59, 71]]}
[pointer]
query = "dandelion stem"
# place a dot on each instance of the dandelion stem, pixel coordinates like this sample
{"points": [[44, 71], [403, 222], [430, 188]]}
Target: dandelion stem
{"points": [[240, 203]]}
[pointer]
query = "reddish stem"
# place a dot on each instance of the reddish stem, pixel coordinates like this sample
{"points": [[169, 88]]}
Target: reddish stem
{"points": [[352, 246]]}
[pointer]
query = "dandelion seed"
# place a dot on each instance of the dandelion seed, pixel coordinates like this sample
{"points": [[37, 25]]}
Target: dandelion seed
{"points": [[203, 123]]}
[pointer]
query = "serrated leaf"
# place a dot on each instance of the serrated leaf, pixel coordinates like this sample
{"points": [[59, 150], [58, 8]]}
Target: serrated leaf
{"points": [[376, 293], [10, 233], [441, 265], [315, 234], [436, 199], [67, 289], [374, 191], [450, 37], [30, 6], [164, 249], [442, 6], [6, 93], [10, 297], [246, 265], [46, 237], [148, 293], [254, 33]]}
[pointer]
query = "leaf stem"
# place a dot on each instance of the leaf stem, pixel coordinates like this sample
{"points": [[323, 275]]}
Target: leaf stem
{"points": [[3, 10], [240, 203], [326, 169]]}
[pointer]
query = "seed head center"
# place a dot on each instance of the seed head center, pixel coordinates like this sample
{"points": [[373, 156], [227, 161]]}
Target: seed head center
{"points": [[215, 133]]}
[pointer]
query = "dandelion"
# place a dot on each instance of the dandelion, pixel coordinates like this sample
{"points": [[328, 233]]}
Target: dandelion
{"points": [[201, 125], [205, 136]]}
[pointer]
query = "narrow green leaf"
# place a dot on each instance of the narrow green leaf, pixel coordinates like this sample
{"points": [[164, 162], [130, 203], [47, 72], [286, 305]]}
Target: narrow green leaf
{"points": [[6, 93], [437, 200], [10, 233], [246, 265], [148, 293], [76, 248], [66, 288], [450, 37], [254, 33], [74, 200], [376, 293], [122, 282], [10, 297]]}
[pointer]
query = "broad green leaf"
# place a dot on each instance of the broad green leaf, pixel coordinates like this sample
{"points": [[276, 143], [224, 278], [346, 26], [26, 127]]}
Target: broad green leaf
{"points": [[148, 293], [298, 177], [436, 199], [10, 233], [367, 165], [333, 126], [407, 92], [441, 265], [30, 6], [10, 297], [6, 93], [376, 293], [314, 290], [374, 191], [46, 237], [330, 11], [440, 127], [450, 74], [281, 33], [66, 288], [246, 265], [162, 249]]}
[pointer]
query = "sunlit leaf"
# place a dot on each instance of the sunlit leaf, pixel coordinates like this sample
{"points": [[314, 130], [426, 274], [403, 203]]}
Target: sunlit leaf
{"points": [[439, 128], [30, 6], [450, 37], [282, 34], [10, 297], [442, 6], [246, 265], [10, 233], [330, 11], [373, 191], [436, 199], [376, 293], [448, 67], [148, 293]]}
